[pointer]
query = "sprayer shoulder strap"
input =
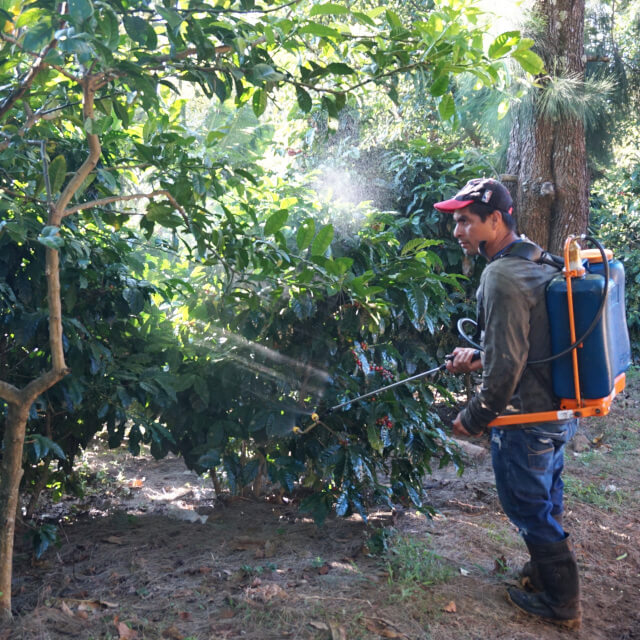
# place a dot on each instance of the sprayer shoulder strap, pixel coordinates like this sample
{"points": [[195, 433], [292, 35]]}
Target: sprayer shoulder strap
{"points": [[528, 250]]}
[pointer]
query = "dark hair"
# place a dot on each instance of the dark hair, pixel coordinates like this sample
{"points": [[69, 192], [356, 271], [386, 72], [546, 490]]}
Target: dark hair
{"points": [[483, 210]]}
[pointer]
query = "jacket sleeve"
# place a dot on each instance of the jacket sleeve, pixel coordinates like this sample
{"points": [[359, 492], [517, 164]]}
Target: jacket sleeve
{"points": [[506, 347]]}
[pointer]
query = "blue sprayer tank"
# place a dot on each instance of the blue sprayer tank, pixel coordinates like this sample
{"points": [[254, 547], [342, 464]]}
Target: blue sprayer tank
{"points": [[606, 352]]}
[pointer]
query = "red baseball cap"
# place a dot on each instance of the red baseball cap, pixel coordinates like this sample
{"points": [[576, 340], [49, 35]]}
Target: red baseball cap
{"points": [[481, 190]]}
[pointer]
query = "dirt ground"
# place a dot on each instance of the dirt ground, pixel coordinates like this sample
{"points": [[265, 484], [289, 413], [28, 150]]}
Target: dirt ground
{"points": [[150, 553]]}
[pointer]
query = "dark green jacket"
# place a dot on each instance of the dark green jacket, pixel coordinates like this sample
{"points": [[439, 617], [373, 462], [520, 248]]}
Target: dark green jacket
{"points": [[512, 314]]}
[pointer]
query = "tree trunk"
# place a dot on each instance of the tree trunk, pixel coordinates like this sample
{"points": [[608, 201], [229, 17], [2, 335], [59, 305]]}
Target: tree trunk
{"points": [[547, 151], [10, 476]]}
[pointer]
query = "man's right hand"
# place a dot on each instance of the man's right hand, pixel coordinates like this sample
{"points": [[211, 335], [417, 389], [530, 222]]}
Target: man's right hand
{"points": [[465, 360]]}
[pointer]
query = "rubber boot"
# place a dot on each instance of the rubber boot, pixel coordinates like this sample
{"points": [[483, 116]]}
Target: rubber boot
{"points": [[529, 576], [559, 600]]}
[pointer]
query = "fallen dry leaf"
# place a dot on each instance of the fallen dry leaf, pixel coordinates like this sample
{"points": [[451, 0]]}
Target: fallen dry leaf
{"points": [[267, 592], [338, 632], [125, 633], [243, 543], [323, 570], [226, 613], [173, 633], [383, 628], [322, 626], [184, 615], [95, 605], [66, 610], [136, 483], [114, 540], [450, 608]]}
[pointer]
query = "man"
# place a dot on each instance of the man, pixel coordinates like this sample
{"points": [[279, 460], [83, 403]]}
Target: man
{"points": [[528, 459]]}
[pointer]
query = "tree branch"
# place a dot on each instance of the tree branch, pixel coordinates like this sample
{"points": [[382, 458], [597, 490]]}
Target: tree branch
{"points": [[57, 212], [26, 83], [260, 11], [11, 40], [134, 196], [9, 393], [52, 272], [22, 196], [43, 382], [320, 89], [187, 53], [32, 118]]}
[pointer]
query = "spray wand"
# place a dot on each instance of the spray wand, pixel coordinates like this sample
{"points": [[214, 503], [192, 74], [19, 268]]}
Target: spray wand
{"points": [[316, 417]]}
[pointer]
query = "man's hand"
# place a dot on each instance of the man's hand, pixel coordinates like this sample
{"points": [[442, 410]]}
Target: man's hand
{"points": [[465, 360], [459, 430]]}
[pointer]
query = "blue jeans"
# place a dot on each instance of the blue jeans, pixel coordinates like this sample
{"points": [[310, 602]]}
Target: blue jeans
{"points": [[528, 466]]}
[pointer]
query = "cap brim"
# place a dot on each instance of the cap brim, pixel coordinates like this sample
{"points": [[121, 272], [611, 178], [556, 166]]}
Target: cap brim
{"points": [[452, 205]]}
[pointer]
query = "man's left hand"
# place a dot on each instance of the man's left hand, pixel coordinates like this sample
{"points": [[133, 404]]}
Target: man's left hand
{"points": [[459, 430]]}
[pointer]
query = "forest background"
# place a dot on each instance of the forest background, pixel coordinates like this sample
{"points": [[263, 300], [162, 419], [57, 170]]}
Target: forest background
{"points": [[216, 218]]}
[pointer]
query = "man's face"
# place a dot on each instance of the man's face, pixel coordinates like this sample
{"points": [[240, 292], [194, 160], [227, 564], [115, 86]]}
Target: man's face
{"points": [[470, 230]]}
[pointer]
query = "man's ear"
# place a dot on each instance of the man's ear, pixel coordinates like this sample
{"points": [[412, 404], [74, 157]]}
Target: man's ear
{"points": [[496, 218]]}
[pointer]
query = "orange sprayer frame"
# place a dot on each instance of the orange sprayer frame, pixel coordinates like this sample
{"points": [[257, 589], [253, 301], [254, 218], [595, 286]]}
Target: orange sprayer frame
{"points": [[569, 407]]}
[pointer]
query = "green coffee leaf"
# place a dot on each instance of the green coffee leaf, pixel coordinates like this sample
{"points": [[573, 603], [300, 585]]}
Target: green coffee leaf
{"points": [[275, 222], [80, 10], [304, 100], [259, 102], [323, 240], [57, 173], [320, 30], [393, 19], [50, 237], [136, 28], [328, 9], [503, 44], [305, 233], [264, 73], [447, 106], [529, 61], [37, 37], [440, 85]]}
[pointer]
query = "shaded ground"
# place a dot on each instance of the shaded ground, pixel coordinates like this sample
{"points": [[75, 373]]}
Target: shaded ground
{"points": [[150, 554]]}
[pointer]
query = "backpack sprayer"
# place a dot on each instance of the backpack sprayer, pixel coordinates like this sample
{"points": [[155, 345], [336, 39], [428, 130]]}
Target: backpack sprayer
{"points": [[588, 371], [586, 300]]}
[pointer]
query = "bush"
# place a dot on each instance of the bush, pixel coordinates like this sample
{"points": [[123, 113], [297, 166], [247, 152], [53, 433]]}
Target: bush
{"points": [[615, 221]]}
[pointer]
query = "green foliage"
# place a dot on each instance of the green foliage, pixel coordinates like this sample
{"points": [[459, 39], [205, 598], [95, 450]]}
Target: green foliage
{"points": [[43, 537], [308, 330], [412, 563], [616, 223], [263, 302], [106, 336], [611, 43]]}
